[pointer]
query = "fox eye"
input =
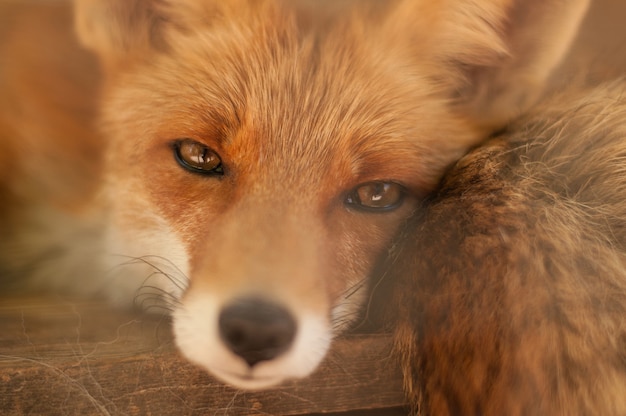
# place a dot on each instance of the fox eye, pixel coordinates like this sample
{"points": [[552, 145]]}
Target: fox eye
{"points": [[198, 158], [376, 196]]}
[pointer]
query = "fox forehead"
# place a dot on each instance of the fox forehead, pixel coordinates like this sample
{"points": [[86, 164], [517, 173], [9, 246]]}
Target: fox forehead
{"points": [[286, 94]]}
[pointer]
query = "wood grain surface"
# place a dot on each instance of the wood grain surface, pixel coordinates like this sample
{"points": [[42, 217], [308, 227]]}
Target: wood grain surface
{"points": [[68, 358]]}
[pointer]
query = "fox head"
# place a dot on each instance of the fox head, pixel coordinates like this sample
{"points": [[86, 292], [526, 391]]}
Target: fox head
{"points": [[262, 154]]}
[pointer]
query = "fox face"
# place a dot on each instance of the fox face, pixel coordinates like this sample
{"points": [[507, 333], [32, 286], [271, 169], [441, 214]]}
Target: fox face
{"points": [[261, 157], [273, 181]]}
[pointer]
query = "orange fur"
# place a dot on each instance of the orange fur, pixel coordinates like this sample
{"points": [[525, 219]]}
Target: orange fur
{"points": [[303, 102]]}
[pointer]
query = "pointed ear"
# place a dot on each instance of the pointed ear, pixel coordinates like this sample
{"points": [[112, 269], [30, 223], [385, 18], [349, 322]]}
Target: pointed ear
{"points": [[120, 31], [494, 57], [537, 35], [116, 28]]}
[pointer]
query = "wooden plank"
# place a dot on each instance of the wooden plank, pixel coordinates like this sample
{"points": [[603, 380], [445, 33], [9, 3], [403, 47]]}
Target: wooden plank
{"points": [[64, 357]]}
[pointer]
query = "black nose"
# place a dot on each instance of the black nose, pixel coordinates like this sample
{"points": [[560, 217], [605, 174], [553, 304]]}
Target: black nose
{"points": [[256, 330]]}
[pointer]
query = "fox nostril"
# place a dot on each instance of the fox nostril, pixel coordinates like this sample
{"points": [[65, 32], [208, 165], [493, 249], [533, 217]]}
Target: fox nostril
{"points": [[256, 330]]}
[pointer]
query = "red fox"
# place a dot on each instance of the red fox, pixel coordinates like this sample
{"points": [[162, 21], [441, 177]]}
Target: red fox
{"points": [[251, 159], [509, 286]]}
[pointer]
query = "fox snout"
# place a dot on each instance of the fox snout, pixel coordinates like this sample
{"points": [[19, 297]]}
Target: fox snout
{"points": [[258, 309], [251, 342]]}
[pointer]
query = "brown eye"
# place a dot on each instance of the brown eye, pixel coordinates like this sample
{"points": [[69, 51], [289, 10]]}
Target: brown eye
{"points": [[376, 196], [196, 157]]}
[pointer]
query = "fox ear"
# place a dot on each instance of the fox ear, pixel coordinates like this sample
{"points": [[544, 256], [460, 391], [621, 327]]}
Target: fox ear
{"points": [[119, 31], [496, 55], [116, 28]]}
